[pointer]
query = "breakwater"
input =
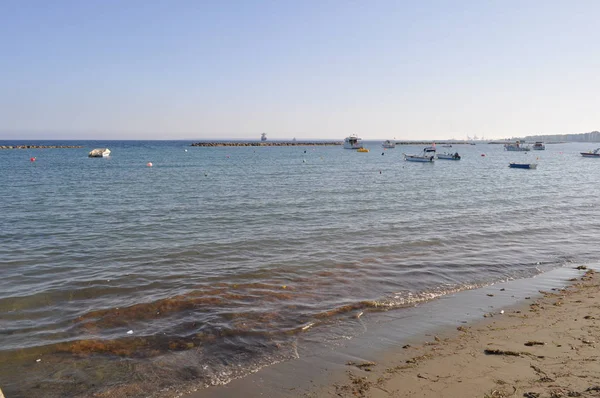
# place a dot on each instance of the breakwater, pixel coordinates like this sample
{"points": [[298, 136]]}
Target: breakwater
{"points": [[273, 143], [39, 146]]}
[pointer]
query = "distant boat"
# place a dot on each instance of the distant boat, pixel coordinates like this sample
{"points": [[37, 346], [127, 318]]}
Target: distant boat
{"points": [[352, 142], [99, 153], [539, 146], [447, 146], [514, 165], [427, 156], [517, 147], [419, 158], [448, 156], [592, 154], [389, 144], [263, 137]]}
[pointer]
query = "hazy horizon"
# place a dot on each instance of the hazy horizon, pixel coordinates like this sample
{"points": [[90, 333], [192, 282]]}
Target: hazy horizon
{"points": [[312, 70]]}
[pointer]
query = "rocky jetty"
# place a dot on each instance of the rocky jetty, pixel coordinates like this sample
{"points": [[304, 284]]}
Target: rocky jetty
{"points": [[262, 143], [39, 146]]}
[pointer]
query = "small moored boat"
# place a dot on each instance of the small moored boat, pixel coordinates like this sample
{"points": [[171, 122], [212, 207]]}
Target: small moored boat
{"points": [[352, 142], [99, 153], [448, 156], [517, 146], [539, 146], [514, 165], [362, 150], [427, 156], [592, 154], [389, 144], [419, 158]]}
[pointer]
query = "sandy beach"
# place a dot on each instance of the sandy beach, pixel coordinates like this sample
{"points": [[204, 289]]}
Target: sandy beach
{"points": [[548, 348]]}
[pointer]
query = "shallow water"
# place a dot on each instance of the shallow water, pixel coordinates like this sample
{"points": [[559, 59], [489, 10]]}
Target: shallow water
{"points": [[217, 259]]}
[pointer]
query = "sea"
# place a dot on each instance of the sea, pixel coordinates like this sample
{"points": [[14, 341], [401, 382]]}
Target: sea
{"points": [[121, 279]]}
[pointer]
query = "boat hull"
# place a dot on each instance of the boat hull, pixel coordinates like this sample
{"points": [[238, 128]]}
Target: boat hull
{"points": [[522, 165], [422, 159], [590, 155], [448, 157]]}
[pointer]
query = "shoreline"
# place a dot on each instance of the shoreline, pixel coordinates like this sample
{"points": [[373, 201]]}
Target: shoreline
{"points": [[452, 361]]}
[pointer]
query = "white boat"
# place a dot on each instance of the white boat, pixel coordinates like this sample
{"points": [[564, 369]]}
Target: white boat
{"points": [[427, 156], [539, 146], [419, 158], [389, 144], [517, 147], [99, 153], [352, 142], [448, 156], [263, 137]]}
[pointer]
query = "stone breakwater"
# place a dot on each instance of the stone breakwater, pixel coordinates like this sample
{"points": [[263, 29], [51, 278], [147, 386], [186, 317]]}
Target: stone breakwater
{"points": [[39, 146], [264, 143]]}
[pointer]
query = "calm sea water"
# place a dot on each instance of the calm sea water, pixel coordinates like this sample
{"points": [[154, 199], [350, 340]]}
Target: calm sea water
{"points": [[126, 279]]}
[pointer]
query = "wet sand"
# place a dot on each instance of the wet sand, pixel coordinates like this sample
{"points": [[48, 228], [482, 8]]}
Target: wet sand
{"points": [[546, 349], [546, 346]]}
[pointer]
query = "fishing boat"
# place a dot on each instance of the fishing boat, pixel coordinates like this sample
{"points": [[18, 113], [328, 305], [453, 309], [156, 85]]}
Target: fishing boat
{"points": [[514, 165], [517, 146], [352, 142], [389, 144], [539, 146], [99, 153], [448, 156], [419, 158], [428, 155], [592, 154]]}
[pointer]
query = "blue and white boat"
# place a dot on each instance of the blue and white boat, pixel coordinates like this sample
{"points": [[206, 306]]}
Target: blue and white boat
{"points": [[514, 165]]}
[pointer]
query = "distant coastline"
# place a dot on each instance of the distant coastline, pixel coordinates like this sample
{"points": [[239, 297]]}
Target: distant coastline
{"points": [[263, 143], [39, 146]]}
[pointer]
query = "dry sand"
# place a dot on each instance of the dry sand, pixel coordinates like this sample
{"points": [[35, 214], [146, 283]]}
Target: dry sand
{"points": [[549, 348]]}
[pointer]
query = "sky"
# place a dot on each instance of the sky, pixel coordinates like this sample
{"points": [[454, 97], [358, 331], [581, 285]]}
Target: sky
{"points": [[310, 69]]}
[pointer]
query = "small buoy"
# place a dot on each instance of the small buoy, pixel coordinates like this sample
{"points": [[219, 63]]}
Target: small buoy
{"points": [[379, 171], [186, 150], [483, 154], [32, 159], [502, 312], [205, 174], [149, 164], [38, 360], [130, 332], [382, 153]]}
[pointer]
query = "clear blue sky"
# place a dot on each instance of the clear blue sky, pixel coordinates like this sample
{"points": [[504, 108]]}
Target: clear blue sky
{"points": [[179, 69]]}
